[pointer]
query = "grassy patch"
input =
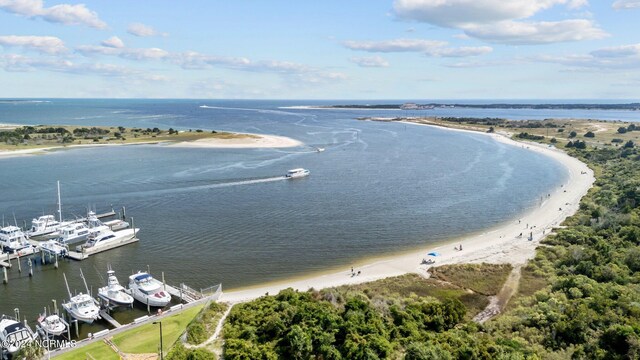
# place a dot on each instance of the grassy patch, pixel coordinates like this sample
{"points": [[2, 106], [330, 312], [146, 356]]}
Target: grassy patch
{"points": [[146, 338], [485, 279], [415, 285], [98, 350], [204, 325]]}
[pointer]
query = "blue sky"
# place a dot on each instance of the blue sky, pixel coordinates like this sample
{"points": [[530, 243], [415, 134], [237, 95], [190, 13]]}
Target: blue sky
{"points": [[357, 49]]}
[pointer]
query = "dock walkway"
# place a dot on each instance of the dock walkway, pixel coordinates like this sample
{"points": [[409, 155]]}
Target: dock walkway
{"points": [[109, 319]]}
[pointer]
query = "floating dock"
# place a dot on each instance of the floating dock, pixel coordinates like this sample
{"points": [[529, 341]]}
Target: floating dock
{"points": [[86, 252], [109, 319]]}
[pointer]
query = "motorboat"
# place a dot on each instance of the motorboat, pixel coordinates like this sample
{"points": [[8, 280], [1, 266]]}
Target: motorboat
{"points": [[115, 225], [14, 240], [297, 173], [54, 247], [81, 307], [51, 325], [14, 335], [45, 225], [73, 233], [103, 236], [147, 290], [114, 293]]}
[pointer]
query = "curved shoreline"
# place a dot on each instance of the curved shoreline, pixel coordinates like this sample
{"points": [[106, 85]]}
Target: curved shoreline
{"points": [[251, 141], [500, 244]]}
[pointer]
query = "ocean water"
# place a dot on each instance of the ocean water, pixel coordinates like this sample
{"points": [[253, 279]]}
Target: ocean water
{"points": [[210, 216]]}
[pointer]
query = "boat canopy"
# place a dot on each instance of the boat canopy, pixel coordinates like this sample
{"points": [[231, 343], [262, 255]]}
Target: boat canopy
{"points": [[142, 277]]}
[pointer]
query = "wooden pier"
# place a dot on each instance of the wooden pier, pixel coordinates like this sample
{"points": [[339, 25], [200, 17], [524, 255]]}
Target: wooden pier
{"points": [[86, 252], [109, 319]]}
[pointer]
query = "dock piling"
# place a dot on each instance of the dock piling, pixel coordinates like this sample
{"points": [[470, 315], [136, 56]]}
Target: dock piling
{"points": [[19, 264], [30, 268], [55, 306], [56, 263], [5, 280], [9, 260]]}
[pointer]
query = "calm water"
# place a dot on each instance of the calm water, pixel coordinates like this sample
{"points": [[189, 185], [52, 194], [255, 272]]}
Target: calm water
{"points": [[212, 216]]}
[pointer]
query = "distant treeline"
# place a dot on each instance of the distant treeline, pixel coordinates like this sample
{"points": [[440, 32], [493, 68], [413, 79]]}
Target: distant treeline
{"points": [[629, 106]]}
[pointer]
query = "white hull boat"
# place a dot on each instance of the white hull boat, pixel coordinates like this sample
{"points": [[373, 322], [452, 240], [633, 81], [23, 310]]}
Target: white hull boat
{"points": [[104, 237], [73, 233], [51, 325], [148, 290], [45, 225], [14, 335], [114, 293], [297, 173], [53, 247], [81, 307], [14, 240]]}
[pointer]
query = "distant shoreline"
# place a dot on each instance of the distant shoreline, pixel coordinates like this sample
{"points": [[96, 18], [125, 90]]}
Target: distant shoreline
{"points": [[506, 106]]}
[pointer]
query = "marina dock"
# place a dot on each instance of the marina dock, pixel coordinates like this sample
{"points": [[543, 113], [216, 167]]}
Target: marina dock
{"points": [[86, 252], [109, 319]]}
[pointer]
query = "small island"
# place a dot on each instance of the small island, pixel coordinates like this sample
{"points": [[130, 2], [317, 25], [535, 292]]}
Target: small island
{"points": [[26, 140]]}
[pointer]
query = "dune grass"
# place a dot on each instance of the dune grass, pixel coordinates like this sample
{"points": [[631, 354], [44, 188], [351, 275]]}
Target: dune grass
{"points": [[485, 279]]}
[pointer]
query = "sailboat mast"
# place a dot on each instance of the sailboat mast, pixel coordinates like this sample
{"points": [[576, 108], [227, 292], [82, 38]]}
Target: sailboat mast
{"points": [[84, 281], [67, 283], [59, 203]]}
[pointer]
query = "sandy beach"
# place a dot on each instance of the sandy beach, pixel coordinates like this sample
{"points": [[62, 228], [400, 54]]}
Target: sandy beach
{"points": [[250, 141], [502, 244]]}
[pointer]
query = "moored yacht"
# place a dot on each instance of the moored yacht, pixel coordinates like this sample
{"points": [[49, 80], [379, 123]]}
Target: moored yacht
{"points": [[103, 236], [114, 293], [51, 325], [14, 335], [54, 247], [73, 232], [297, 173], [13, 239], [81, 307], [148, 290], [45, 225]]}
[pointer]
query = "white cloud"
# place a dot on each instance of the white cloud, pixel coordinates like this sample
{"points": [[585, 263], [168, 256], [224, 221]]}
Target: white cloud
{"points": [[626, 4], [501, 21], [427, 47], [618, 51], [528, 33], [143, 30], [63, 13], [457, 13], [396, 45], [43, 44], [370, 61], [123, 52], [113, 42]]}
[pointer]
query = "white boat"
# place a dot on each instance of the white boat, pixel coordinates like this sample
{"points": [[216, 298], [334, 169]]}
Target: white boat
{"points": [[148, 290], [114, 293], [14, 335], [81, 307], [51, 325], [103, 236], [14, 240], [45, 225], [94, 222], [73, 233], [54, 247], [297, 173]]}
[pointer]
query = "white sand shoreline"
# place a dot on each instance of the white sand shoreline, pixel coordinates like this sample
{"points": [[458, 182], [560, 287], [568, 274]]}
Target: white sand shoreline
{"points": [[252, 141], [255, 141], [497, 245]]}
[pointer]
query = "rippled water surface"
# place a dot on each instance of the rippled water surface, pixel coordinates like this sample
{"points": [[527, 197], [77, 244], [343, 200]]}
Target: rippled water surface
{"points": [[227, 216]]}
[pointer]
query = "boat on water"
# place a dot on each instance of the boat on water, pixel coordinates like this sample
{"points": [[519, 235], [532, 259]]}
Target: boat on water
{"points": [[14, 240], [54, 247], [51, 325], [73, 233], [103, 236], [45, 225], [114, 293], [115, 225], [147, 290], [81, 307], [14, 335], [297, 173]]}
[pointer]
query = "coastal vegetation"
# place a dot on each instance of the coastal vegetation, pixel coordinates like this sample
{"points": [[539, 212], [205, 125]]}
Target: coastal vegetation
{"points": [[577, 299], [41, 136]]}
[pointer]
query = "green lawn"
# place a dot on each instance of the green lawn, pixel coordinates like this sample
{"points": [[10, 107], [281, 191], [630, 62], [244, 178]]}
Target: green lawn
{"points": [[141, 340]]}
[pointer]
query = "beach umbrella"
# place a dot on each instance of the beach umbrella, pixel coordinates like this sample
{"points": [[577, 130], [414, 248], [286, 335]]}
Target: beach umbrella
{"points": [[434, 254]]}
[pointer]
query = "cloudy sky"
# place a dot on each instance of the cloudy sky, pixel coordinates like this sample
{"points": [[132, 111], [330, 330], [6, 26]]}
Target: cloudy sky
{"points": [[330, 49]]}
